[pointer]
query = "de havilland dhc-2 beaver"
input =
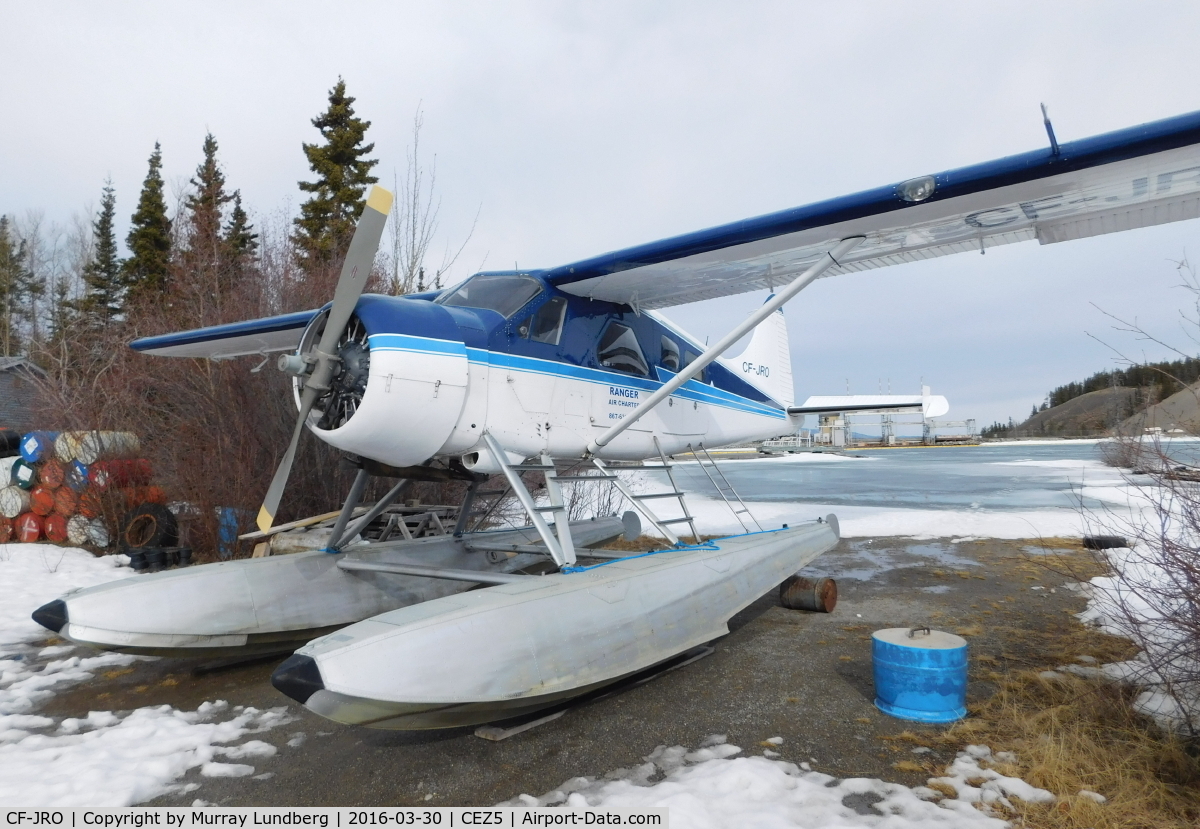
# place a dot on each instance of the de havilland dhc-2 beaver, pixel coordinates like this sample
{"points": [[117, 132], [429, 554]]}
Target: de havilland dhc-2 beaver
{"points": [[537, 369]]}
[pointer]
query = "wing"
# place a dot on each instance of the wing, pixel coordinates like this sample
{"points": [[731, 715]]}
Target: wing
{"points": [[219, 342], [1131, 178], [929, 405]]}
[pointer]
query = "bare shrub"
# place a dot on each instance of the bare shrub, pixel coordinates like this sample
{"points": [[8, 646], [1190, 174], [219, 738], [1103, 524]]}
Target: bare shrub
{"points": [[213, 431]]}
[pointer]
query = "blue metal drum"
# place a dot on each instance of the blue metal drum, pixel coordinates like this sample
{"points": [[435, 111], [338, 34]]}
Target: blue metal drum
{"points": [[920, 674], [38, 446]]}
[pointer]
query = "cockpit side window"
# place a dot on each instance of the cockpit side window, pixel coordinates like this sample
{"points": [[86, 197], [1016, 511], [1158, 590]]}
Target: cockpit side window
{"points": [[547, 324], [503, 293], [670, 354], [688, 359], [619, 350]]}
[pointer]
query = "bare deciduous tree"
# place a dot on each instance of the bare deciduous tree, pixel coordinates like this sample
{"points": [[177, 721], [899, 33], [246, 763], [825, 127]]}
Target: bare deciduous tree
{"points": [[414, 223]]}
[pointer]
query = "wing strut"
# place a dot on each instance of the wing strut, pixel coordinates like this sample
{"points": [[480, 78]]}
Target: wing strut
{"points": [[713, 352]]}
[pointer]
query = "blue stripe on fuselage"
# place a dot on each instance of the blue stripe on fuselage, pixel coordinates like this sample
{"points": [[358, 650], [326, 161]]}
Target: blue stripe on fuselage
{"points": [[692, 390]]}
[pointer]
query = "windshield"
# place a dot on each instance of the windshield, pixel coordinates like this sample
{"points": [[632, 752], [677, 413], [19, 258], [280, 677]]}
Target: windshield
{"points": [[503, 293]]}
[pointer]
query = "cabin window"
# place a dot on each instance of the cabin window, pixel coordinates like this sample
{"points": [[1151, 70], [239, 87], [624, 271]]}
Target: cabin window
{"points": [[670, 354], [547, 324], [688, 359], [619, 350], [503, 293]]}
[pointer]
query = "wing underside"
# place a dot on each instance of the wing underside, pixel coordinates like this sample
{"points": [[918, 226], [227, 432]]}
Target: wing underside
{"points": [[1139, 177], [219, 342]]}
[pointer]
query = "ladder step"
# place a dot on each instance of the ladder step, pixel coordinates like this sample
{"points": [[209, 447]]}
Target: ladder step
{"points": [[532, 467], [586, 477], [551, 508], [675, 521], [658, 495]]}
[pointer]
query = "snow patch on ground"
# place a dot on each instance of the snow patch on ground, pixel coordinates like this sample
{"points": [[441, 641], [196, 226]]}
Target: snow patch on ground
{"points": [[1112, 600], [107, 759], [712, 788]]}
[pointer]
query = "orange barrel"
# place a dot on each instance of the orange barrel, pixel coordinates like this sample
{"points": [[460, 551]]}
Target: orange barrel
{"points": [[13, 501], [24, 474], [56, 528], [28, 526], [143, 495], [118, 473], [41, 500], [5, 530], [77, 529], [52, 474], [66, 502], [89, 503]]}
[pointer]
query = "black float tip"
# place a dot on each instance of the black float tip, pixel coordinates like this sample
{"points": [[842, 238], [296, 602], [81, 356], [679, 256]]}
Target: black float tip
{"points": [[52, 616], [298, 677]]}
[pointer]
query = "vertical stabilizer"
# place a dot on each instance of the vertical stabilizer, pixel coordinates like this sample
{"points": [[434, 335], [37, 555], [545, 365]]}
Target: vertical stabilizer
{"points": [[767, 361]]}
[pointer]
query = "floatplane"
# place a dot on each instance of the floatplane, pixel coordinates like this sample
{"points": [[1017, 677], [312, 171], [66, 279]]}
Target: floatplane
{"points": [[525, 370]]}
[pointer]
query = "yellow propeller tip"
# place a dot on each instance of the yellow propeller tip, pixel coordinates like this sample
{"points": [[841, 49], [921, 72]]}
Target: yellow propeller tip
{"points": [[265, 519], [380, 200]]}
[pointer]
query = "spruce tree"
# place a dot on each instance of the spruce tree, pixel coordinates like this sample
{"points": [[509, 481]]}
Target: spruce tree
{"points": [[327, 219], [11, 266], [206, 206], [149, 238], [103, 297], [240, 240]]}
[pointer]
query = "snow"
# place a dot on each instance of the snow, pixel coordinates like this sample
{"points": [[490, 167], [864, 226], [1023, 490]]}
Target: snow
{"points": [[108, 758], [711, 787]]}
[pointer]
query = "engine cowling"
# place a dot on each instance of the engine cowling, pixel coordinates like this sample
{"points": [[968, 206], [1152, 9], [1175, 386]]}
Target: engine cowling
{"points": [[400, 385]]}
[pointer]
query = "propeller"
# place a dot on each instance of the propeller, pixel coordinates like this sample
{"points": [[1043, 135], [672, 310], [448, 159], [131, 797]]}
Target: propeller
{"points": [[355, 271]]}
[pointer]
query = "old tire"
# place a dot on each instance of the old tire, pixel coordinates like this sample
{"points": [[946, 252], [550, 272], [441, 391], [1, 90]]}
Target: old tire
{"points": [[149, 525], [817, 595]]}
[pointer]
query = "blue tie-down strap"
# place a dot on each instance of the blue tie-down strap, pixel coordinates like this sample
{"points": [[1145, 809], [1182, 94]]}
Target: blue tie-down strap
{"points": [[705, 545]]}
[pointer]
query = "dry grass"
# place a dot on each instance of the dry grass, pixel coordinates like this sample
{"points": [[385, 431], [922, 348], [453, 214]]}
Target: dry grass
{"points": [[1075, 734]]}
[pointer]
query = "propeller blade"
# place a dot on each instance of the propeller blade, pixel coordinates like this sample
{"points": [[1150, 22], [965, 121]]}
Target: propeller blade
{"points": [[355, 270], [267, 512], [357, 266]]}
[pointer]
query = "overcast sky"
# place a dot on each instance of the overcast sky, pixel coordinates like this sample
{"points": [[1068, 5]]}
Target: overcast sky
{"points": [[578, 128]]}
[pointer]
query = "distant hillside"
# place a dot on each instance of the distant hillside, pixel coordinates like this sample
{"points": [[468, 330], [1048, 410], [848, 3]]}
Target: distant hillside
{"points": [[1090, 413], [1166, 395], [1179, 411]]}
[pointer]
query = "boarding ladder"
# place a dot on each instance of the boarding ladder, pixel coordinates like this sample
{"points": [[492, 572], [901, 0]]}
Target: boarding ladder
{"points": [[636, 499], [724, 488]]}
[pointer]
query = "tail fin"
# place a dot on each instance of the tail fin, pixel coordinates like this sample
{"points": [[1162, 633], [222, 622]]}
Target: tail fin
{"points": [[766, 363]]}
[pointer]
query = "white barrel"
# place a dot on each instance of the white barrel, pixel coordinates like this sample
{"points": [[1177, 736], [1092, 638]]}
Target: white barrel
{"points": [[66, 445], [97, 532], [6, 465], [96, 446], [77, 529], [13, 501]]}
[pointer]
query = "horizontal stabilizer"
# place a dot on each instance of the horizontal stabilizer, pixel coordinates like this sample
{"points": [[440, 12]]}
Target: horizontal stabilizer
{"points": [[929, 405], [220, 342]]}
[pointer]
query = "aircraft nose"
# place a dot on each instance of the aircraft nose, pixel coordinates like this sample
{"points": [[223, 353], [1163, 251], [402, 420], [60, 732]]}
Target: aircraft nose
{"points": [[298, 677], [52, 615]]}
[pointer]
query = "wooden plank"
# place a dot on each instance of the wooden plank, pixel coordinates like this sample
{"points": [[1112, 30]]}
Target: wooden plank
{"points": [[303, 522]]}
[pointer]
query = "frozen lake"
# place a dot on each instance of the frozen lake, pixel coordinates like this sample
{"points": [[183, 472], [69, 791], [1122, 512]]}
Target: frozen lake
{"points": [[1011, 490], [994, 477]]}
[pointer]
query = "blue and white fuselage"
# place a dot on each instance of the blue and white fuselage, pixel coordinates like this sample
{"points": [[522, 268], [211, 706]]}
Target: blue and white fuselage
{"points": [[544, 377]]}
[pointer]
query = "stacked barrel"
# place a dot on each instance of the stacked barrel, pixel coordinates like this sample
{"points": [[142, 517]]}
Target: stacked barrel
{"points": [[73, 486]]}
